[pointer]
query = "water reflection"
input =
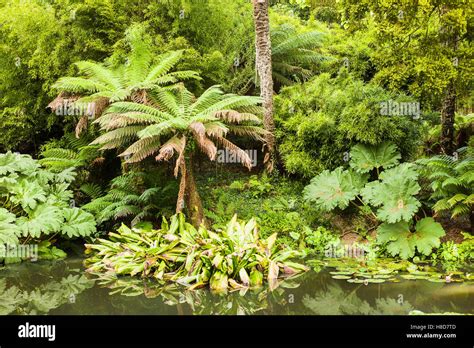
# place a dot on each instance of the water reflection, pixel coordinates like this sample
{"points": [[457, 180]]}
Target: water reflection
{"points": [[62, 288], [37, 289]]}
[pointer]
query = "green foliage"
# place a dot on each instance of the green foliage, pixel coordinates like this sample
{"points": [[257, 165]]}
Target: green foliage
{"points": [[365, 158], [40, 40], [408, 36], [334, 189], [36, 202], [133, 197], [74, 152], [394, 193], [319, 121], [233, 258], [401, 241], [140, 72], [452, 182], [456, 255]]}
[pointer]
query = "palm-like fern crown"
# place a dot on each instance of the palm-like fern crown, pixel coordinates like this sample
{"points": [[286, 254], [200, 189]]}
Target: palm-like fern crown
{"points": [[452, 182], [130, 81], [294, 54], [173, 117]]}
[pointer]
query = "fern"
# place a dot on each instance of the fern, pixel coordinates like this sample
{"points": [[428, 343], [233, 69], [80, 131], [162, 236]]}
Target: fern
{"points": [[452, 182]]}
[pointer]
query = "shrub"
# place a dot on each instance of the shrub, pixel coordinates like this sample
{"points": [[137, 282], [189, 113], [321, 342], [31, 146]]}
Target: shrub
{"points": [[319, 121]]}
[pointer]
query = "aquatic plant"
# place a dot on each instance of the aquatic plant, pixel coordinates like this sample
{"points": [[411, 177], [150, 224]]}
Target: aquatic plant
{"points": [[234, 258]]}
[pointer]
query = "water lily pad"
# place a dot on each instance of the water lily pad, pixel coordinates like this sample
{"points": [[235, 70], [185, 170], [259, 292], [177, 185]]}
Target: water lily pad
{"points": [[342, 272], [341, 277]]}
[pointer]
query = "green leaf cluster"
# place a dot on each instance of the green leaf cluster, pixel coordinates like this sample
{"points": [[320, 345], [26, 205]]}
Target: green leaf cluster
{"points": [[233, 258], [36, 202]]}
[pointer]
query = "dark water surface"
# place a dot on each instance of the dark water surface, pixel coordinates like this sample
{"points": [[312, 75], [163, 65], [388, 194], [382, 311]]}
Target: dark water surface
{"points": [[62, 287]]}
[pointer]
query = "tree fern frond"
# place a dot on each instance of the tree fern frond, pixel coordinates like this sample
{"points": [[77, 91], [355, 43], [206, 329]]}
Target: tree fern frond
{"points": [[125, 133], [91, 190], [142, 149]]}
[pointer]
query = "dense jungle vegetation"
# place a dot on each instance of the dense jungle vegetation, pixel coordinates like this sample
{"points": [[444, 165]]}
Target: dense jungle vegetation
{"points": [[213, 143]]}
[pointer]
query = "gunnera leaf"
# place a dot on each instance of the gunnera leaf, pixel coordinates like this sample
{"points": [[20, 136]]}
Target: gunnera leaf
{"points": [[329, 190], [45, 219], [394, 194], [401, 241], [77, 223], [364, 158], [8, 229], [28, 194]]}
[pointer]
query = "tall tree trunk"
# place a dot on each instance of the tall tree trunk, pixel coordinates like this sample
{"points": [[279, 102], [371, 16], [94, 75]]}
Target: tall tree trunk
{"points": [[450, 39], [192, 197], [263, 61], [447, 120]]}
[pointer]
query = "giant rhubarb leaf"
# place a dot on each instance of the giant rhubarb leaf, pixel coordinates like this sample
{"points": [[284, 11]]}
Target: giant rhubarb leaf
{"points": [[394, 194], [364, 158], [334, 189], [401, 241]]}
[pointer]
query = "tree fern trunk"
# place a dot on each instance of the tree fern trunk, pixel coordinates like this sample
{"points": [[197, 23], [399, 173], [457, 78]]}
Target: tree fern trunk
{"points": [[447, 120], [264, 68], [193, 199]]}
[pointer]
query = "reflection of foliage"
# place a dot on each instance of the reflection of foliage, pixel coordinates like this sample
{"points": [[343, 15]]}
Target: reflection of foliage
{"points": [[200, 302], [387, 270], [337, 301], [42, 299]]}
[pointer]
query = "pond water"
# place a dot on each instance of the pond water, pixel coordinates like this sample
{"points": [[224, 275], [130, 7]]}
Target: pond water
{"points": [[62, 287]]}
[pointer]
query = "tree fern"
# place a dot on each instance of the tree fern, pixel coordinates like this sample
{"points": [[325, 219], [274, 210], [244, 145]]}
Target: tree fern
{"points": [[103, 84], [452, 182]]}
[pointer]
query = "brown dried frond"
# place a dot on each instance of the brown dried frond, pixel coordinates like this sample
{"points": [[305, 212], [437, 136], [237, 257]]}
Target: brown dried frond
{"points": [[233, 116], [100, 105], [254, 132], [198, 128], [240, 154], [207, 146], [216, 130], [140, 97], [98, 161], [62, 99], [81, 126], [168, 148]]}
